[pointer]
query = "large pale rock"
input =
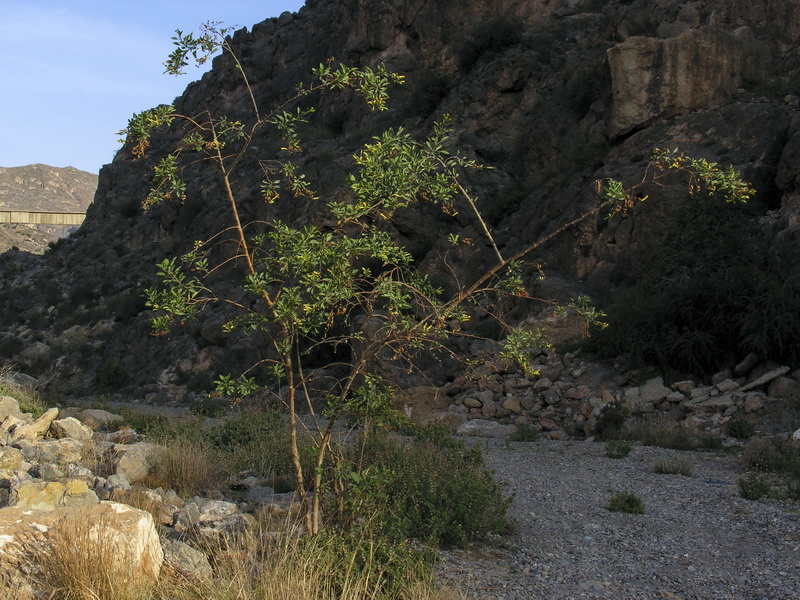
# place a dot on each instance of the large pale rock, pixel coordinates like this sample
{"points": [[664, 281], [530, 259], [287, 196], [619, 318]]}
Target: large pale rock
{"points": [[35, 430], [654, 78], [765, 378], [9, 406], [49, 495], [64, 451], [135, 460], [70, 428], [186, 561], [125, 535], [654, 390], [10, 459], [753, 403], [98, 420], [784, 387]]}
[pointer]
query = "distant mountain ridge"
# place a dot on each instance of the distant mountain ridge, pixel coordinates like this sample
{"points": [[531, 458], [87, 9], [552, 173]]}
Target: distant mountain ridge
{"points": [[40, 187]]}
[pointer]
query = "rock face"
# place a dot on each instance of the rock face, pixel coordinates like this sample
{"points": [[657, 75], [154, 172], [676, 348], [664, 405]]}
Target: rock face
{"points": [[552, 94], [653, 78]]}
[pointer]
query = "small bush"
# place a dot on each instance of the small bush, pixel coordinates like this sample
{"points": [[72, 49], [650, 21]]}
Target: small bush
{"points": [[775, 455], [209, 406], [438, 492], [754, 487], [740, 428], [626, 503], [673, 465], [611, 421], [709, 441], [524, 433], [111, 377], [617, 449], [761, 455]]}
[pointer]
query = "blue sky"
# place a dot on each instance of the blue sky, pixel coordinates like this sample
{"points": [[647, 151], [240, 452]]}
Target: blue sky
{"points": [[72, 72]]}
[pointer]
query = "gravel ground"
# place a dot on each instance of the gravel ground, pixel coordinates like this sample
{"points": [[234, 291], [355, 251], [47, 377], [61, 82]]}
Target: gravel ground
{"points": [[697, 539]]}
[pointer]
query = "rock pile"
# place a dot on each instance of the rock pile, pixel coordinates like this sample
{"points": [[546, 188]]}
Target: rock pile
{"points": [[71, 474], [569, 395]]}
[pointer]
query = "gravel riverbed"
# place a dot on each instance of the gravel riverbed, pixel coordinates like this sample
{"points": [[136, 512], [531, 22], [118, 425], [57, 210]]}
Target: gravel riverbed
{"points": [[698, 539]]}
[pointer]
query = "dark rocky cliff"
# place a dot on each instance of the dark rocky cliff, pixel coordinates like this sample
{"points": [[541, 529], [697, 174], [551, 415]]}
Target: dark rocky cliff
{"points": [[553, 94]]}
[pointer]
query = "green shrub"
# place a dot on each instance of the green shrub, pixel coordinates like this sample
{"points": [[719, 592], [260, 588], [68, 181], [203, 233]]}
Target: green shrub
{"points": [[438, 491], [617, 449], [773, 455], [259, 440], [524, 433], [754, 487], [209, 406], [384, 567], [740, 428], [161, 428], [673, 465], [626, 503]]}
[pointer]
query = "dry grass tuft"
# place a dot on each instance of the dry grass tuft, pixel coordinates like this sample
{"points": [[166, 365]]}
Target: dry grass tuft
{"points": [[261, 566], [189, 467], [75, 563]]}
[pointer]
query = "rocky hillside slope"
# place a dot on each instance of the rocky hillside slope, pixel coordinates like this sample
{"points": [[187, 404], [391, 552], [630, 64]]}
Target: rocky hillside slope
{"points": [[42, 188], [552, 94]]}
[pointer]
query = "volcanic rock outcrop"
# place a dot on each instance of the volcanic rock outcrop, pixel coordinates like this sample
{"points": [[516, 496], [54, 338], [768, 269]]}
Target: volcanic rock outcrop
{"points": [[553, 95]]}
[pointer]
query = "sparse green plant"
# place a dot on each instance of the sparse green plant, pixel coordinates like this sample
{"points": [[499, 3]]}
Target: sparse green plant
{"points": [[310, 284], [111, 377], [523, 432], [740, 428], [302, 288], [674, 465], [626, 502], [617, 449], [709, 441], [754, 486]]}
